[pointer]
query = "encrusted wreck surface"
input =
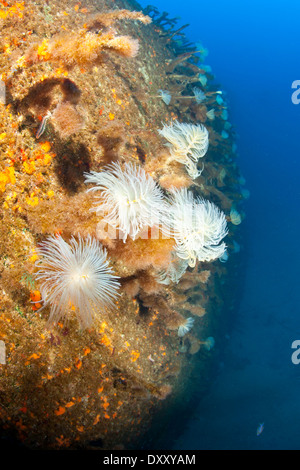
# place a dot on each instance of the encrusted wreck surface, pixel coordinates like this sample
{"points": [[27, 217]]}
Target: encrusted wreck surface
{"points": [[81, 93]]}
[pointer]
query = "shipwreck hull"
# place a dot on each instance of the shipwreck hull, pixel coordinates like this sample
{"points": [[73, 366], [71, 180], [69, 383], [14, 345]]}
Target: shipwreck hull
{"points": [[123, 381]]}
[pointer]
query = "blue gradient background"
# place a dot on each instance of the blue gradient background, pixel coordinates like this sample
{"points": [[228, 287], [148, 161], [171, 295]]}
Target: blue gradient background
{"points": [[254, 53]]}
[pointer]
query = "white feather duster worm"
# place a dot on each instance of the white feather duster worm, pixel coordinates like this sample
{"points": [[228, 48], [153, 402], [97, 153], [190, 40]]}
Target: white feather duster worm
{"points": [[188, 143], [77, 276], [185, 327], [130, 200], [198, 227]]}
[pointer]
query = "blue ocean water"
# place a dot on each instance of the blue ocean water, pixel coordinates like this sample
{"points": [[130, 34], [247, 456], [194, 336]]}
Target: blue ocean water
{"points": [[253, 51]]}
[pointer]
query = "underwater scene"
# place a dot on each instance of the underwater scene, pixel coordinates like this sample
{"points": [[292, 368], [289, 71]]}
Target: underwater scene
{"points": [[149, 189]]}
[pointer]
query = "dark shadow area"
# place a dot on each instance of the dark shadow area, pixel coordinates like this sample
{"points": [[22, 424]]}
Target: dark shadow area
{"points": [[71, 161]]}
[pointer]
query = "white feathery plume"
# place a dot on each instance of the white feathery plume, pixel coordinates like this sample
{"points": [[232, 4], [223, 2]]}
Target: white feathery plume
{"points": [[188, 143], [198, 226], [130, 200], [185, 327], [174, 271], [200, 96], [77, 276], [165, 96]]}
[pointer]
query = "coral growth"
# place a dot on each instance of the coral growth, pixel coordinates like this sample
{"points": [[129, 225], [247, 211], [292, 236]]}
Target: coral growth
{"points": [[85, 47], [111, 138], [140, 254], [66, 119], [65, 215], [170, 181], [107, 19]]}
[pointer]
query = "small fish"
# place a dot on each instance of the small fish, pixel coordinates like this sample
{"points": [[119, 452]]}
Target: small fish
{"points": [[260, 429]]}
